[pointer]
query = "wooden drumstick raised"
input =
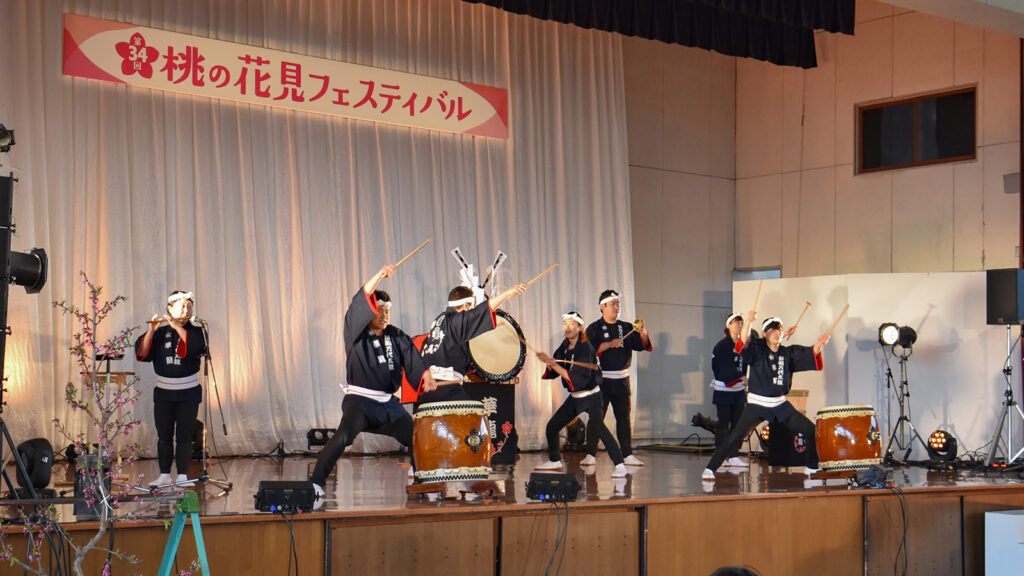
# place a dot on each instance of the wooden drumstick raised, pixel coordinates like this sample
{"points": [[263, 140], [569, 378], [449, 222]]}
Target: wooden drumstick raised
{"points": [[637, 325], [801, 317], [538, 276], [836, 323], [757, 299], [410, 254]]}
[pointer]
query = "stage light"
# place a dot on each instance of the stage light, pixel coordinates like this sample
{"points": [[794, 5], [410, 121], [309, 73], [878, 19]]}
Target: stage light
{"points": [[764, 433], [888, 334], [907, 337], [942, 446], [701, 421], [28, 270], [318, 436], [6, 139]]}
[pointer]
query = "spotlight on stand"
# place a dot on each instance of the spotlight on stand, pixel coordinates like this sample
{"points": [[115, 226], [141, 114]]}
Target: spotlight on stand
{"points": [[907, 337], [28, 270], [942, 446], [888, 334], [6, 139]]}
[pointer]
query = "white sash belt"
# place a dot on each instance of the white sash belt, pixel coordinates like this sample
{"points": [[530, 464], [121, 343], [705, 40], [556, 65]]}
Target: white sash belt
{"points": [[177, 383], [585, 393], [377, 395], [615, 374], [766, 401]]}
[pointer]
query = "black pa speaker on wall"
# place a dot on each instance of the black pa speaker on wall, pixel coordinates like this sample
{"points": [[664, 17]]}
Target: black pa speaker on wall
{"points": [[1004, 296]]}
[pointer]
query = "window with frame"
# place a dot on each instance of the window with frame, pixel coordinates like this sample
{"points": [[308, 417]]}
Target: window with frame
{"points": [[928, 129]]}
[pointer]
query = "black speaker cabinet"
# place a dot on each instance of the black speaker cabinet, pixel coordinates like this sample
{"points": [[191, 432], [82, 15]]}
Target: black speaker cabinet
{"points": [[1004, 296]]}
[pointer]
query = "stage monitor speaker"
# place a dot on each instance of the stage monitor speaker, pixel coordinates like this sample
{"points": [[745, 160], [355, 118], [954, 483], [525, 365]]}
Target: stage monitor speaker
{"points": [[1004, 296], [286, 496], [552, 487], [37, 455]]}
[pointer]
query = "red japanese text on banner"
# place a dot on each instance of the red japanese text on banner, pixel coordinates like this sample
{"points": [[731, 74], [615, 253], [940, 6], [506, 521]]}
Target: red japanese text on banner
{"points": [[161, 60]]}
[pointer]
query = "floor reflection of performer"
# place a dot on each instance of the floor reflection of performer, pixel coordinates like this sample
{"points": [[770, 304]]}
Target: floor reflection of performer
{"points": [[175, 346], [446, 348], [771, 368], [730, 393], [615, 342], [377, 357], [570, 362]]}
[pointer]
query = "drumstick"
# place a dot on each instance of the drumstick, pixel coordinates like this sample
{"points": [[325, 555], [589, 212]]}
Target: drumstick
{"points": [[798, 320], [841, 314], [757, 299], [494, 267], [635, 324], [409, 255], [583, 364], [538, 276]]}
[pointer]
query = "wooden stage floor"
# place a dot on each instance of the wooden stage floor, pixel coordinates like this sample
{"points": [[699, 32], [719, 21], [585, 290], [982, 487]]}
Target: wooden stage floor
{"points": [[660, 519]]}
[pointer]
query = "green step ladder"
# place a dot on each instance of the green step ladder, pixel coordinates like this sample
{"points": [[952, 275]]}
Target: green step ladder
{"points": [[188, 505]]}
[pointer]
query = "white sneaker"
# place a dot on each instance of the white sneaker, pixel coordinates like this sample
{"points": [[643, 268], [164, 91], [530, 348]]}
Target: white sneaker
{"points": [[708, 474], [549, 465], [620, 471], [319, 491], [182, 480], [619, 485], [737, 462], [809, 471], [163, 480], [633, 461], [588, 461]]}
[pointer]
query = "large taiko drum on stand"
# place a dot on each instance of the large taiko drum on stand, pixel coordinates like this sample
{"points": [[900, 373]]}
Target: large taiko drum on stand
{"points": [[847, 438], [450, 441], [497, 355]]}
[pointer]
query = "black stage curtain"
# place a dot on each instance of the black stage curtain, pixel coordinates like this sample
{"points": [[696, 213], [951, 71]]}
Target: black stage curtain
{"points": [[777, 31]]}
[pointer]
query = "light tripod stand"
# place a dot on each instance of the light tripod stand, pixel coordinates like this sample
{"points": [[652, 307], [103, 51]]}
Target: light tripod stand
{"points": [[209, 376], [899, 435], [1009, 405]]}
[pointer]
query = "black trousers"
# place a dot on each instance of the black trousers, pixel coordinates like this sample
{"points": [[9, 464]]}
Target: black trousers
{"points": [[353, 421], [567, 411], [796, 422], [616, 393], [175, 423], [728, 418]]}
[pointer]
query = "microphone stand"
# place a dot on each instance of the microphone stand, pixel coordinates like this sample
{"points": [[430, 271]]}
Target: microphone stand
{"points": [[204, 476]]}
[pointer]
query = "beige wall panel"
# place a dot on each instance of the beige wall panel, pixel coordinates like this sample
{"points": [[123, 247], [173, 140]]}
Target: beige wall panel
{"points": [[819, 122], [793, 80], [968, 216], [722, 134], [923, 53], [686, 72], [863, 74], [645, 197], [1001, 205], [816, 206], [922, 223], [758, 118], [641, 65], [758, 200], [672, 379], [722, 207], [817, 536], [686, 230], [789, 224], [868, 10], [999, 92], [596, 543], [969, 56], [863, 222]]}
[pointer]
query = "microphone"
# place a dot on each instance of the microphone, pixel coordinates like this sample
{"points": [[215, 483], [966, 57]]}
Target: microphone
{"points": [[198, 320]]}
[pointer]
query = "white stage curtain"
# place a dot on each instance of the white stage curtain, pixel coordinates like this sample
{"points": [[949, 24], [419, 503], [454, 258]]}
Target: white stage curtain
{"points": [[275, 218]]}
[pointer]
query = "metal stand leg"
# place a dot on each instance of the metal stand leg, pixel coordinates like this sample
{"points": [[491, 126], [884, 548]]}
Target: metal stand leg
{"points": [[904, 421], [224, 485], [1005, 414]]}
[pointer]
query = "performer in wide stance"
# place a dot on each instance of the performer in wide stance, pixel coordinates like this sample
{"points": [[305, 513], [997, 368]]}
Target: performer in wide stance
{"points": [[378, 356], [175, 346], [771, 368], [576, 363]]}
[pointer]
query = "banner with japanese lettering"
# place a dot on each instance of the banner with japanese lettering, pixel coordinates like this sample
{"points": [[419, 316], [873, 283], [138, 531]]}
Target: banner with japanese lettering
{"points": [[157, 59]]}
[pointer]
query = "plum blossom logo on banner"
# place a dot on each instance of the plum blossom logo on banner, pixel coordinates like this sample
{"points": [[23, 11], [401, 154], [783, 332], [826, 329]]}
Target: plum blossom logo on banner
{"points": [[137, 56]]}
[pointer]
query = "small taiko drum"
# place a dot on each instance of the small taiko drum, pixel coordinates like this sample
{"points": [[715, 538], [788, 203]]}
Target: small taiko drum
{"points": [[847, 437], [451, 441], [497, 355]]}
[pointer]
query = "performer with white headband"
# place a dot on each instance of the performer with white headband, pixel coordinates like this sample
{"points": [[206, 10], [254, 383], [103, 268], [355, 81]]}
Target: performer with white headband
{"points": [[378, 356], [771, 367], [583, 383], [615, 341], [175, 346], [730, 392], [446, 347]]}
